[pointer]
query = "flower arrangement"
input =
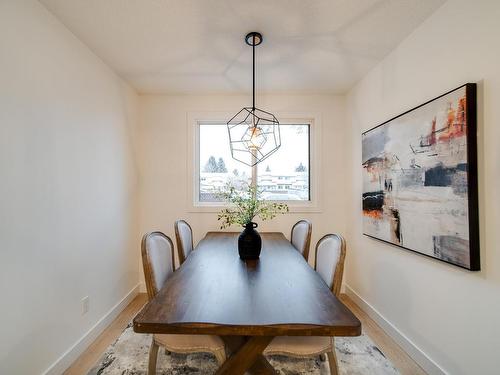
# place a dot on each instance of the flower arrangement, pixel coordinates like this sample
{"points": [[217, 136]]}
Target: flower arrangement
{"points": [[247, 205]]}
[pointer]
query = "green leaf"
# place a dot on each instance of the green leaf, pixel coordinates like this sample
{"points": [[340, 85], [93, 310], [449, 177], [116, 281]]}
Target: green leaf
{"points": [[246, 206]]}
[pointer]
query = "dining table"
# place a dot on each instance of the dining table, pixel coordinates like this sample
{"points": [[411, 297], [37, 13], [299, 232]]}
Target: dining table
{"points": [[246, 302]]}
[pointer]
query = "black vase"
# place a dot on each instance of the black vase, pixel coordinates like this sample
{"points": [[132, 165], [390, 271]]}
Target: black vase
{"points": [[249, 242]]}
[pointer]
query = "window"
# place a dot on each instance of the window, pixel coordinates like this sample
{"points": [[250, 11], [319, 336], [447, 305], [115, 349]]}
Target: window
{"points": [[216, 167], [283, 176]]}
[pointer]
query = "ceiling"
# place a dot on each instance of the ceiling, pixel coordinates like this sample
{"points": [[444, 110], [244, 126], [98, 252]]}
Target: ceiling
{"points": [[197, 46]]}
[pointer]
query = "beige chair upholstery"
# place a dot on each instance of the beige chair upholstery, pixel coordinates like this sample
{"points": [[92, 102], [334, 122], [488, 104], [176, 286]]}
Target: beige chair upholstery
{"points": [[158, 260], [329, 263], [330, 257], [301, 237], [299, 346], [184, 239], [192, 344]]}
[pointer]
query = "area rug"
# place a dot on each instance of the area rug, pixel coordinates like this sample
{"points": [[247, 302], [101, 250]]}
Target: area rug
{"points": [[128, 355]]}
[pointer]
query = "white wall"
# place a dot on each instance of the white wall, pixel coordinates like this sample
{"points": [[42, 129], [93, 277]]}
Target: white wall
{"points": [[67, 193], [449, 313], [164, 148]]}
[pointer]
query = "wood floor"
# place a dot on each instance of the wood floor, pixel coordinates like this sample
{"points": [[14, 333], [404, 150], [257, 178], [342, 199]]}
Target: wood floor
{"points": [[386, 344], [392, 351]]}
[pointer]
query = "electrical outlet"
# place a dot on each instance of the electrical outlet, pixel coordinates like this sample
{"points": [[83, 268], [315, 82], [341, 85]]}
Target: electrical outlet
{"points": [[85, 305]]}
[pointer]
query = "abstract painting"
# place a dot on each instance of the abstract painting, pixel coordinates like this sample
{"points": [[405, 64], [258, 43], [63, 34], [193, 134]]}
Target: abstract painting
{"points": [[420, 179]]}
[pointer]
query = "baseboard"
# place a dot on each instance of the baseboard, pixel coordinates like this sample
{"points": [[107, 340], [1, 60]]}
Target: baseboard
{"points": [[64, 361], [408, 346]]}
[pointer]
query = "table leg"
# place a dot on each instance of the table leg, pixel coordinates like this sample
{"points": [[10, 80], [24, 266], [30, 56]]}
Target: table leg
{"points": [[245, 354], [262, 366]]}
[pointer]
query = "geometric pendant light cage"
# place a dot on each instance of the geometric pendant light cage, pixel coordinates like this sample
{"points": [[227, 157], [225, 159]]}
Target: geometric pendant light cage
{"points": [[254, 134]]}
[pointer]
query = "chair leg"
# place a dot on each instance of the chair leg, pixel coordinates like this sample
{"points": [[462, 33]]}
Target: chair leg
{"points": [[220, 355], [322, 357], [332, 361], [153, 356]]}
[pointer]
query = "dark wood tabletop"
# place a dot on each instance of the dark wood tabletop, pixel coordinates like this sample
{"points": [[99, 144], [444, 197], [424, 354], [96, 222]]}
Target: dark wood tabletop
{"points": [[215, 292]]}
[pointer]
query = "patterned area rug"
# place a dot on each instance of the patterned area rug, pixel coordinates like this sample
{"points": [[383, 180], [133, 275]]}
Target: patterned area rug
{"points": [[128, 355]]}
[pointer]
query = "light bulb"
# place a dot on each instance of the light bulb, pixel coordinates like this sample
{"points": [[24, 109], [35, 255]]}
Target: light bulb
{"points": [[255, 139]]}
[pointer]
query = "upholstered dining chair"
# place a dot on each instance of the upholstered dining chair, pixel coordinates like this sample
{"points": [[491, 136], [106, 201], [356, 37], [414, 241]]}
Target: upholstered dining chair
{"points": [[330, 257], [301, 237], [157, 259], [184, 239]]}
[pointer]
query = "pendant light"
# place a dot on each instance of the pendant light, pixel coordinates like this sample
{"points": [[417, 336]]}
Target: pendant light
{"points": [[254, 134]]}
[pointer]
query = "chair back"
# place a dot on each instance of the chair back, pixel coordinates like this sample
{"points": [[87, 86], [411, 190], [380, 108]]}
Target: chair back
{"points": [[330, 257], [184, 239], [301, 237], [157, 260]]}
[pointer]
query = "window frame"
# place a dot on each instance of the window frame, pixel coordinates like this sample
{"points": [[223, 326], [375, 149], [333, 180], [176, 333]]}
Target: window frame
{"points": [[194, 120]]}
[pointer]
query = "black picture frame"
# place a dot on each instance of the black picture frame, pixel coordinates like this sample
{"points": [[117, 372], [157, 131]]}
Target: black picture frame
{"points": [[472, 177]]}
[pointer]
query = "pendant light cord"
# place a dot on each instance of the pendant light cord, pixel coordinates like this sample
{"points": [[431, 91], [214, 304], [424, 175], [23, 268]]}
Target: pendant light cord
{"points": [[253, 73]]}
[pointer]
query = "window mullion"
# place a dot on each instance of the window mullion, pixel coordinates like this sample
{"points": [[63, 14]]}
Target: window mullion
{"points": [[254, 176]]}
